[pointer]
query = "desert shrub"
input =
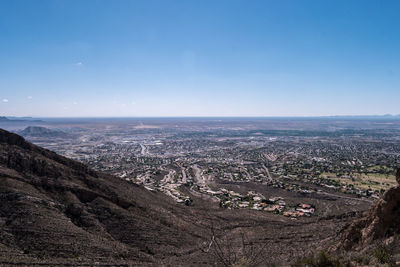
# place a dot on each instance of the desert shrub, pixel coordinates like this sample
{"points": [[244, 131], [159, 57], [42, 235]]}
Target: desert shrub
{"points": [[362, 259], [306, 261], [323, 259], [383, 255]]}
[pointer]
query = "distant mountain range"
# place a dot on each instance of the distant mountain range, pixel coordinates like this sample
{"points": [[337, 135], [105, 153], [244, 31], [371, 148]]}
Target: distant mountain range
{"points": [[14, 118], [18, 119], [365, 116], [2, 118], [37, 131]]}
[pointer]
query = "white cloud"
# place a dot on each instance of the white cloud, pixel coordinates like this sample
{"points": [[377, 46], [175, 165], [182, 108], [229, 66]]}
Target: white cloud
{"points": [[5, 100], [30, 97], [75, 103], [79, 64], [133, 103]]}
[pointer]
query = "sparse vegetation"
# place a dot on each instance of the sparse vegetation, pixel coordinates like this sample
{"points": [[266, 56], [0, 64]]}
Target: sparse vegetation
{"points": [[383, 255], [322, 259]]}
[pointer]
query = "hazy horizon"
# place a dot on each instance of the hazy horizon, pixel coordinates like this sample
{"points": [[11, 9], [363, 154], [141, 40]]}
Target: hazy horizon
{"points": [[394, 116]]}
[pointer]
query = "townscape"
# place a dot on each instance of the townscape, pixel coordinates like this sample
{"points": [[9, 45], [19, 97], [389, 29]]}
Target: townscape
{"points": [[218, 160]]}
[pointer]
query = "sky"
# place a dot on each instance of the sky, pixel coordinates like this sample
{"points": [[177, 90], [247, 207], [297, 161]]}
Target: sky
{"points": [[199, 58]]}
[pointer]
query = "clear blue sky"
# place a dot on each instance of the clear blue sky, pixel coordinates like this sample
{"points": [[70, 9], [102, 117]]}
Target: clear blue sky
{"points": [[199, 58]]}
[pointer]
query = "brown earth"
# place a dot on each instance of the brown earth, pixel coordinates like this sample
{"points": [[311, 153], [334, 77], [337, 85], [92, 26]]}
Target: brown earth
{"points": [[57, 211]]}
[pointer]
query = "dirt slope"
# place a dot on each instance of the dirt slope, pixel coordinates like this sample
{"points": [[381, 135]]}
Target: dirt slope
{"points": [[52, 206]]}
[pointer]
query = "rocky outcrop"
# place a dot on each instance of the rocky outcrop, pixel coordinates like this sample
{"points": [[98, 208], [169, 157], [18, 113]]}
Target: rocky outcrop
{"points": [[381, 222]]}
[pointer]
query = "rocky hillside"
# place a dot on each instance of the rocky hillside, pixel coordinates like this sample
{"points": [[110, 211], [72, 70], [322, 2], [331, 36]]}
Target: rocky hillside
{"points": [[56, 211], [54, 207], [381, 223]]}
